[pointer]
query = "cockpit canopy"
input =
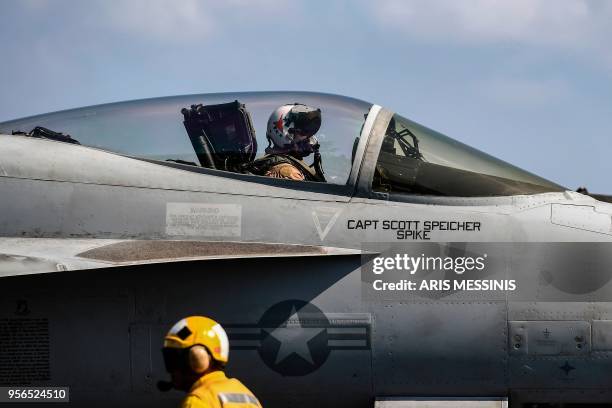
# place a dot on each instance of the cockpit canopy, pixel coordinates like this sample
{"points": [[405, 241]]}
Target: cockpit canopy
{"points": [[414, 159], [411, 160]]}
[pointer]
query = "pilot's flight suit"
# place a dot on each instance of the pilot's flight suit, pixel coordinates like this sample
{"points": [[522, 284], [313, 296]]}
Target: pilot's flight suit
{"points": [[283, 166], [286, 171], [215, 390]]}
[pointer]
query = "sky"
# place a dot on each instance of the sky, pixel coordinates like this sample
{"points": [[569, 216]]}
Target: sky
{"points": [[528, 81]]}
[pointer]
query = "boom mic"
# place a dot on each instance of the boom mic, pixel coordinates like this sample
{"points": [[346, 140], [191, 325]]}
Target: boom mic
{"points": [[164, 386]]}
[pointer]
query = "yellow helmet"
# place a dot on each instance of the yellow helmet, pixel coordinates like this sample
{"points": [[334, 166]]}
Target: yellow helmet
{"points": [[201, 330]]}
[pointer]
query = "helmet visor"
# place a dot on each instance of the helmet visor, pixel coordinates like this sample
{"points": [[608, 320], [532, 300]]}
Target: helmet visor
{"points": [[306, 120]]}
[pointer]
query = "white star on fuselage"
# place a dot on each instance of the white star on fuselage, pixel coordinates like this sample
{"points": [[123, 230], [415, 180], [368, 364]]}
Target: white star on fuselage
{"points": [[294, 338]]}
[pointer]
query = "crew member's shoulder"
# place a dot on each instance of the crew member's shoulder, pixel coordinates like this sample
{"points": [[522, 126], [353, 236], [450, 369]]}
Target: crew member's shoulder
{"points": [[238, 384], [194, 401], [236, 392]]}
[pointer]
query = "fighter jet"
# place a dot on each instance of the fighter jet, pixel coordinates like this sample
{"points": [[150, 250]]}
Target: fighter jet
{"points": [[117, 220]]}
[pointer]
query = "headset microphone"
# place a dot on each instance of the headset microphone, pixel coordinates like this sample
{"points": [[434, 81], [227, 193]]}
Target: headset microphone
{"points": [[164, 386]]}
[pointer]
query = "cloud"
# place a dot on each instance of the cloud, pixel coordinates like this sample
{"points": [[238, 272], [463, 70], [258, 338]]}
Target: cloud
{"points": [[164, 21], [188, 20], [527, 93], [558, 23]]}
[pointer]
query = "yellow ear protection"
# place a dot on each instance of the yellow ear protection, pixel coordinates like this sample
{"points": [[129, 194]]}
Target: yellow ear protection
{"points": [[198, 359]]}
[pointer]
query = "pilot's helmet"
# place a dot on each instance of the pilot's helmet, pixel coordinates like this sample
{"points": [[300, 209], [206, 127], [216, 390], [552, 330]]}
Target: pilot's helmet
{"points": [[293, 124], [183, 339]]}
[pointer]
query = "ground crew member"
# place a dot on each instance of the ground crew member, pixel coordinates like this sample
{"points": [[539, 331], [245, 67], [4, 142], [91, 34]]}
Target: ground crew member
{"points": [[290, 133], [195, 353]]}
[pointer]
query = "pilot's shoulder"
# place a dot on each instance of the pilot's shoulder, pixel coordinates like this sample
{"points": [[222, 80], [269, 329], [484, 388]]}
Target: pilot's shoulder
{"points": [[285, 170], [290, 171]]}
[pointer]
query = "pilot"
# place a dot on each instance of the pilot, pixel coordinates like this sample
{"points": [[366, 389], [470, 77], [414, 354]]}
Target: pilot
{"points": [[290, 133], [195, 353]]}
